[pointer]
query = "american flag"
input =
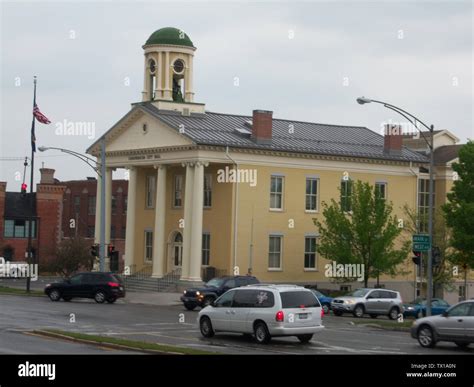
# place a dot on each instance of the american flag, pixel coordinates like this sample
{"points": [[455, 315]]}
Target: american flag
{"points": [[40, 116]]}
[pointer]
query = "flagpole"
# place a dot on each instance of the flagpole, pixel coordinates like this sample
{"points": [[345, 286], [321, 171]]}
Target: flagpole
{"points": [[31, 204]]}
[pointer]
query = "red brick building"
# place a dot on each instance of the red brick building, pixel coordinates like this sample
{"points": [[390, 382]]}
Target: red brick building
{"points": [[60, 210], [46, 211], [79, 207]]}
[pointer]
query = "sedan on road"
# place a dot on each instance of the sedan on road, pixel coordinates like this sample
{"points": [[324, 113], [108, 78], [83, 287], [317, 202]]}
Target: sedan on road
{"points": [[417, 308], [456, 325]]}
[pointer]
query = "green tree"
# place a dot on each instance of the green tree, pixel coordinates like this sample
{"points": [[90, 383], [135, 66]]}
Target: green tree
{"points": [[364, 235], [459, 211], [72, 254]]}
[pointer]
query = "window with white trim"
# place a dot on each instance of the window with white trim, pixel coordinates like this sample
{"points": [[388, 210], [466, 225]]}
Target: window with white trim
{"points": [[274, 252], [276, 193], [311, 194], [310, 252], [150, 191], [381, 190], [178, 191], [206, 249], [346, 193], [207, 190], [148, 246]]}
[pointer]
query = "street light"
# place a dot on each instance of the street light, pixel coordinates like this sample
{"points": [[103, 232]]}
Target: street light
{"points": [[99, 168], [414, 120]]}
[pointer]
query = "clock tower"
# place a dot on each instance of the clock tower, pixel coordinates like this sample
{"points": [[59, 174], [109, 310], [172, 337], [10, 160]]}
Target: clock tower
{"points": [[168, 76]]}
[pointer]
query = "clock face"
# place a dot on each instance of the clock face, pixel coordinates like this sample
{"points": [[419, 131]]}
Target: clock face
{"points": [[178, 66], [152, 66]]}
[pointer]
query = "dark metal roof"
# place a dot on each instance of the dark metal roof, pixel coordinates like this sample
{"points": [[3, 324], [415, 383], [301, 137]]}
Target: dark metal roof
{"points": [[446, 153], [17, 205], [307, 137]]}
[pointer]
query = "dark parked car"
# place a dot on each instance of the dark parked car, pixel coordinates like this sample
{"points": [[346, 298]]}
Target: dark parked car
{"points": [[213, 289], [99, 286]]}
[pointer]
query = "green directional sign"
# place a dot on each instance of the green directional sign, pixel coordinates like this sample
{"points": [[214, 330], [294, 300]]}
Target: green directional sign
{"points": [[421, 242]]}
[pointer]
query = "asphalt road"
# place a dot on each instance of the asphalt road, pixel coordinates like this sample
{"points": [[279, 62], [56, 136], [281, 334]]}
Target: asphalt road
{"points": [[174, 325]]}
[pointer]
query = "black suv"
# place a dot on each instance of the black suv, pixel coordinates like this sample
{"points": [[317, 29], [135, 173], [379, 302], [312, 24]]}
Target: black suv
{"points": [[213, 289], [99, 286]]}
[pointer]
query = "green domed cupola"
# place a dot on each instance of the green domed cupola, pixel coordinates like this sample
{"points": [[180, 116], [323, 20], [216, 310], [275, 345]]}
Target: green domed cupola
{"points": [[170, 36]]}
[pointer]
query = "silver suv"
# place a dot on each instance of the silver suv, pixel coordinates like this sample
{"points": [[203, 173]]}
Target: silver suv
{"points": [[373, 302], [264, 311]]}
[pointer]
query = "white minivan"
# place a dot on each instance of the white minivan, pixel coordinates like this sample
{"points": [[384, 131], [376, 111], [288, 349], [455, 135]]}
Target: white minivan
{"points": [[265, 311]]}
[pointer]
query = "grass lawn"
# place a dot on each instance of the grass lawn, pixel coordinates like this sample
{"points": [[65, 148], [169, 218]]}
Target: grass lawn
{"points": [[129, 344], [386, 324], [20, 292]]}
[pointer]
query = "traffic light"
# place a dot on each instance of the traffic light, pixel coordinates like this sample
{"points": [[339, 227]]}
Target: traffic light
{"points": [[436, 255], [23, 188], [94, 250], [111, 250], [416, 257]]}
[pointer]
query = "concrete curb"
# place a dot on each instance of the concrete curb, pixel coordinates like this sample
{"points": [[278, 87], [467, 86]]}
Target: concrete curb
{"points": [[97, 344]]}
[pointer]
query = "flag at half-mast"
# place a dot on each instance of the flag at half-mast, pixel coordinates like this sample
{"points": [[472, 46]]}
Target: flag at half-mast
{"points": [[41, 118]]}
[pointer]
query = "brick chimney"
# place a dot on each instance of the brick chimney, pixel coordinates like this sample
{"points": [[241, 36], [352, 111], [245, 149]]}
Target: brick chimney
{"points": [[47, 176], [262, 126], [393, 139]]}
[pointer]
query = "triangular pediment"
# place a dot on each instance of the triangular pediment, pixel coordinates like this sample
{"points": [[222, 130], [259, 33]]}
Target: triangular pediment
{"points": [[139, 129]]}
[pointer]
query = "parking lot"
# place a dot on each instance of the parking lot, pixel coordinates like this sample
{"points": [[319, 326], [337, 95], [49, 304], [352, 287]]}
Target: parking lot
{"points": [[172, 324]]}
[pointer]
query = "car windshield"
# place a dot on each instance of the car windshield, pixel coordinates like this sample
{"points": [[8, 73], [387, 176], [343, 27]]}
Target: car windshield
{"points": [[359, 293], [215, 282]]}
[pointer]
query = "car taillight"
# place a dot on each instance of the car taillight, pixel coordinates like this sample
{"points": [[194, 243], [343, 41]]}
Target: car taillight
{"points": [[280, 316], [322, 312], [113, 284]]}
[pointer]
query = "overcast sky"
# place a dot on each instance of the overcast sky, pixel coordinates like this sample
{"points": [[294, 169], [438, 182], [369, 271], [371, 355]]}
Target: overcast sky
{"points": [[306, 61]]}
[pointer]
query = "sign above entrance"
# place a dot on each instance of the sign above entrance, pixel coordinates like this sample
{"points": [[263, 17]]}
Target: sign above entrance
{"points": [[144, 157]]}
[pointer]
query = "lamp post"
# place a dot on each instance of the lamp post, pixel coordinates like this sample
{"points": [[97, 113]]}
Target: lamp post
{"points": [[99, 168], [413, 120]]}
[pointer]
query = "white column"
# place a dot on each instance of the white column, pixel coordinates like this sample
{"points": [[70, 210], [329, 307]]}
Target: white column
{"points": [[159, 76], [168, 89], [196, 225], [159, 230], [108, 204], [131, 209], [189, 81], [145, 81], [97, 211], [188, 202]]}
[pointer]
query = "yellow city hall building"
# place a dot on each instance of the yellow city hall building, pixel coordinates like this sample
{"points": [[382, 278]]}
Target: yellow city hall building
{"points": [[238, 193]]}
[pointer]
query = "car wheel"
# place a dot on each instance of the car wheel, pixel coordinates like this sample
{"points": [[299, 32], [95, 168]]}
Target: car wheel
{"points": [[326, 308], [99, 297], [393, 314], [67, 299], [189, 306], [426, 337], [54, 295], [111, 300], [207, 301], [338, 313], [358, 311], [262, 336], [206, 327], [462, 344], [305, 338], [373, 316]]}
